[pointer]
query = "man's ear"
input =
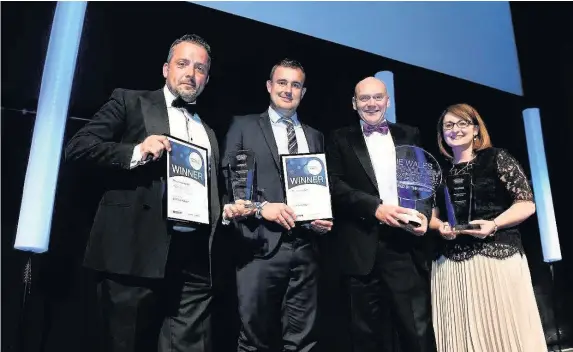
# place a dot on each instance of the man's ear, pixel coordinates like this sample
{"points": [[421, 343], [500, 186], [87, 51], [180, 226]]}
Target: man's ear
{"points": [[354, 103], [207, 80], [302, 93], [269, 85], [165, 70]]}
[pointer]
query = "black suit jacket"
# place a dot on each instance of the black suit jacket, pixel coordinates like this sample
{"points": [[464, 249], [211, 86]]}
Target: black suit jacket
{"points": [[255, 132], [130, 234], [355, 199]]}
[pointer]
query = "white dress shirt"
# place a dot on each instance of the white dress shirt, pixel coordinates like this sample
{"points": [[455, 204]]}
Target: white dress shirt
{"points": [[383, 157]]}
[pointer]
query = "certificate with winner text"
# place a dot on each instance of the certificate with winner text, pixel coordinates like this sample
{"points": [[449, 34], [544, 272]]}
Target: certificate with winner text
{"points": [[306, 186], [187, 183]]}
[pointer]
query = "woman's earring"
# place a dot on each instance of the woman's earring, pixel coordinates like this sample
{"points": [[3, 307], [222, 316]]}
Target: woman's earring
{"points": [[475, 137]]}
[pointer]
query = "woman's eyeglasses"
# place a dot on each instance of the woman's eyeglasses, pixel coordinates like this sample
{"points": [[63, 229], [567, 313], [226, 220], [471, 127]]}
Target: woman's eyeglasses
{"points": [[461, 124]]}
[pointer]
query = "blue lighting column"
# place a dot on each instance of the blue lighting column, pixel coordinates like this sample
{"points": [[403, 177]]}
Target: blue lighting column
{"points": [[36, 210], [541, 186], [388, 78]]}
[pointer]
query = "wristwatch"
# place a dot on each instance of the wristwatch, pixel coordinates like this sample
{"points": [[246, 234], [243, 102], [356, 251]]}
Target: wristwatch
{"points": [[259, 207]]}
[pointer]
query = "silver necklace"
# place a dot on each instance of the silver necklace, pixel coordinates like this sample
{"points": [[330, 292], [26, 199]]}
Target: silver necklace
{"points": [[468, 166]]}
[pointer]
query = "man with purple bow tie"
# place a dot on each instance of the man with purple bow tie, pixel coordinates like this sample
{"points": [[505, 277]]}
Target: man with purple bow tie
{"points": [[382, 260]]}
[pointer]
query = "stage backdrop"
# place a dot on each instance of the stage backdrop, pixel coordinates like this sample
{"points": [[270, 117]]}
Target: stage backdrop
{"points": [[468, 40]]}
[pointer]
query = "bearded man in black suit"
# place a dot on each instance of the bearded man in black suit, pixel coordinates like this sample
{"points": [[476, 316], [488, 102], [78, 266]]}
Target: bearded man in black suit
{"points": [[155, 278]]}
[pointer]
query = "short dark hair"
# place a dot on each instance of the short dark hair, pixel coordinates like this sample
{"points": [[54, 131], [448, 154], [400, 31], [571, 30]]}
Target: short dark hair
{"points": [[287, 63], [190, 38]]}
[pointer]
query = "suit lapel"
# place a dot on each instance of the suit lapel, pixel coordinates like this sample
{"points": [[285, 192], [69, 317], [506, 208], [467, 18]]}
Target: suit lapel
{"points": [[398, 134], [212, 139], [310, 139], [213, 174], [356, 140], [154, 112], [267, 130]]}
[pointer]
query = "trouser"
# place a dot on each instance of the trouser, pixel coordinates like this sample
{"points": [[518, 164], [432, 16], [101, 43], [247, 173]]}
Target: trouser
{"points": [[390, 307], [165, 315], [278, 299]]}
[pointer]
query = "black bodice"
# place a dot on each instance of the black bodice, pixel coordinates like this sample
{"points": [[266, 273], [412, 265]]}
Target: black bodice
{"points": [[498, 182]]}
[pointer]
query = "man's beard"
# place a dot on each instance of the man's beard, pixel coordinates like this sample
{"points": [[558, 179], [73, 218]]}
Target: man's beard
{"points": [[188, 96]]}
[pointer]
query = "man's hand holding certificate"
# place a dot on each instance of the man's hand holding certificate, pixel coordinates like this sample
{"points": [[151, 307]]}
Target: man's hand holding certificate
{"points": [[187, 182]]}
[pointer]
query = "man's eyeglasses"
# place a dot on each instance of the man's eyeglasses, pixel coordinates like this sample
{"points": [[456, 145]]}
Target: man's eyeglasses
{"points": [[461, 124]]}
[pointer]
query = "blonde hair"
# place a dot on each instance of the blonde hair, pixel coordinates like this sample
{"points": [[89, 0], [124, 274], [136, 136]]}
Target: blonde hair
{"points": [[469, 114]]}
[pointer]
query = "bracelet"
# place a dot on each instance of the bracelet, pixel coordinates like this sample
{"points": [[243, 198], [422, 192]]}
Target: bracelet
{"points": [[494, 229], [259, 207]]}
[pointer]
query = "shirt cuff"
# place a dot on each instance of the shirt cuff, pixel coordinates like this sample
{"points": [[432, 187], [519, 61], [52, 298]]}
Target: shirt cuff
{"points": [[224, 219], [180, 228], [136, 159]]}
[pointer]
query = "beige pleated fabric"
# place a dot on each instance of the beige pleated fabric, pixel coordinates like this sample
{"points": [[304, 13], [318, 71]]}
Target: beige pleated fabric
{"points": [[485, 305]]}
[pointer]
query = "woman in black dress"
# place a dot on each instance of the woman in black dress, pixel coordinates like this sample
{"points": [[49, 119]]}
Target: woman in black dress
{"points": [[482, 296]]}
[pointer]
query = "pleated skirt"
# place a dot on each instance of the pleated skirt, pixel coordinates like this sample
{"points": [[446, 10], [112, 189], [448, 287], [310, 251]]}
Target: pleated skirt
{"points": [[485, 305]]}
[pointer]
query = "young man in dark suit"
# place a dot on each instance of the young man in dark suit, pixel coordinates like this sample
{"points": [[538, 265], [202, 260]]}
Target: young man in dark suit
{"points": [[381, 257], [277, 268], [155, 278]]}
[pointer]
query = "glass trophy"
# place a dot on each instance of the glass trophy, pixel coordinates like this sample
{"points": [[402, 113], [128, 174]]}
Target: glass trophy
{"points": [[418, 176], [242, 179], [458, 199]]}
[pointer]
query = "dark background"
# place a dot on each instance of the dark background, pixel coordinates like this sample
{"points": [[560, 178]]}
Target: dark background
{"points": [[126, 44]]}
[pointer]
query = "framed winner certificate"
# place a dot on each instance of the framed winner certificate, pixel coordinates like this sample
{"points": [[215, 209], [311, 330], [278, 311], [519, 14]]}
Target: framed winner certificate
{"points": [[187, 189], [305, 179]]}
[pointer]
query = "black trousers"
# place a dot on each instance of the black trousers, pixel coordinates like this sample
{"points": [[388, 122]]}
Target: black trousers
{"points": [[278, 299], [165, 315], [391, 306]]}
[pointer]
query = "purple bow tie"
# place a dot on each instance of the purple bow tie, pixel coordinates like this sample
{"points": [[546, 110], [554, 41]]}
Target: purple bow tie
{"points": [[381, 128]]}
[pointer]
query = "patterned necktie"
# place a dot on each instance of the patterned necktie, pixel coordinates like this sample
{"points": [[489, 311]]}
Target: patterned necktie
{"points": [[291, 136], [381, 128]]}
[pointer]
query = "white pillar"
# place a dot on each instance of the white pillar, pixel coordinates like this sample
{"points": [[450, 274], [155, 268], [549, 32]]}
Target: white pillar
{"points": [[388, 78], [541, 186], [36, 210]]}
